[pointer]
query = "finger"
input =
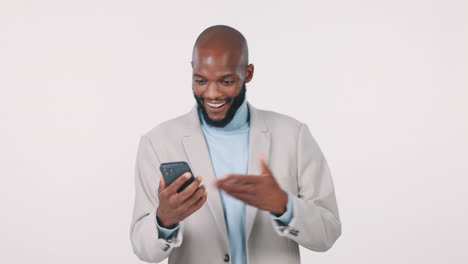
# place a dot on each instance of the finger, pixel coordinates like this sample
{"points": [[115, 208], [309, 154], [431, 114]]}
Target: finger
{"points": [[194, 198], [245, 197], [175, 185], [190, 189], [236, 187], [241, 178], [197, 205], [263, 167]]}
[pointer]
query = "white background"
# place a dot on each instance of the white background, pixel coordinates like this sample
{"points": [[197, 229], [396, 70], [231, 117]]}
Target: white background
{"points": [[382, 85]]}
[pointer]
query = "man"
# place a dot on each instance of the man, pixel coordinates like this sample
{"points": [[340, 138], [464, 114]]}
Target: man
{"points": [[267, 185]]}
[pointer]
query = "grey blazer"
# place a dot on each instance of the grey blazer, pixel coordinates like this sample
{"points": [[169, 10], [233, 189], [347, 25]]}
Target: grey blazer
{"points": [[292, 155]]}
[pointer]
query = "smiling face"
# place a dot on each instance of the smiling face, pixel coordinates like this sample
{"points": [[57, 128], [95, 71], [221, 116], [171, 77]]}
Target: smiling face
{"points": [[218, 82], [218, 78], [220, 72]]}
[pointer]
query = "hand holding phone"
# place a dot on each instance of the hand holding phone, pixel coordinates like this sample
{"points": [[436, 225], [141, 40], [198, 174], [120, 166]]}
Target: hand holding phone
{"points": [[172, 170], [179, 193]]}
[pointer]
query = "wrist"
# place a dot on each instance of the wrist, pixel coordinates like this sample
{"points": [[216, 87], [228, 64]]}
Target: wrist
{"points": [[282, 203], [164, 223]]}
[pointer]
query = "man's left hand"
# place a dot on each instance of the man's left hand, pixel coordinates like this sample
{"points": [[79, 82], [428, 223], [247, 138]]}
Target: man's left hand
{"points": [[261, 191]]}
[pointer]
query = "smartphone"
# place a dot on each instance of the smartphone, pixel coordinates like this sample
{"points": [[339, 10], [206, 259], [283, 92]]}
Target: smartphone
{"points": [[172, 170]]}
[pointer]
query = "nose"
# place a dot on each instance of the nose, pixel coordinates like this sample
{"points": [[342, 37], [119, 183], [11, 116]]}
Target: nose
{"points": [[212, 91]]}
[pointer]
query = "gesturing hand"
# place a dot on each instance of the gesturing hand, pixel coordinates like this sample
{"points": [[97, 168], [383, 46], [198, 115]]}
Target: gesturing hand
{"points": [[261, 191], [174, 207]]}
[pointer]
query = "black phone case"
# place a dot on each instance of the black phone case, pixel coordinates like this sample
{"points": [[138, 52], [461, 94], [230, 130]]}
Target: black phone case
{"points": [[172, 170]]}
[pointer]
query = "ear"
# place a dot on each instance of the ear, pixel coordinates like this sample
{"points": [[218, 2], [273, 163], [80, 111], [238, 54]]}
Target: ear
{"points": [[249, 73]]}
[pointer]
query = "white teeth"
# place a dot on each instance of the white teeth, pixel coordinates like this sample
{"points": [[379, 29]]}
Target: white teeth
{"points": [[215, 105]]}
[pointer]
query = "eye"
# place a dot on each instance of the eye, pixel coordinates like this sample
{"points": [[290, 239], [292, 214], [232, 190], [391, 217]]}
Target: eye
{"points": [[200, 81], [227, 82]]}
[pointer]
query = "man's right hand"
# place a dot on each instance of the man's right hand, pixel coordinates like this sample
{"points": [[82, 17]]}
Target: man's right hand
{"points": [[175, 207]]}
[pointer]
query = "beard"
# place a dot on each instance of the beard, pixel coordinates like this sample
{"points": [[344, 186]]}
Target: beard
{"points": [[236, 103]]}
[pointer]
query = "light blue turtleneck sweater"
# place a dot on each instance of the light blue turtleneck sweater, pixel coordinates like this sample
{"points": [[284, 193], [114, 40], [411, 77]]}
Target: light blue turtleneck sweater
{"points": [[229, 150]]}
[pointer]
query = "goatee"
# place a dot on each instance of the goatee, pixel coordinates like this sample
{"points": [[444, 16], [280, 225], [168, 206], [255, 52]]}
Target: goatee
{"points": [[236, 103]]}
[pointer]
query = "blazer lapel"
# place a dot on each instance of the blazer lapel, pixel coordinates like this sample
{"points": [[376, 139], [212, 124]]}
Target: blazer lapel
{"points": [[259, 143], [199, 160]]}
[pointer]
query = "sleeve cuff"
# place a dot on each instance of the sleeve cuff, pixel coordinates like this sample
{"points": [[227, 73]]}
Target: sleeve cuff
{"points": [[286, 217], [166, 233]]}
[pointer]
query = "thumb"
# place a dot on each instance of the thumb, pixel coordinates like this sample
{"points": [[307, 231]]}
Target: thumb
{"points": [[162, 183], [263, 167]]}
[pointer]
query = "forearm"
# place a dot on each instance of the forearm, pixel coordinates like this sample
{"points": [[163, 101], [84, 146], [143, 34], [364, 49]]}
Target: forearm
{"points": [[146, 243], [315, 223], [312, 226], [144, 234]]}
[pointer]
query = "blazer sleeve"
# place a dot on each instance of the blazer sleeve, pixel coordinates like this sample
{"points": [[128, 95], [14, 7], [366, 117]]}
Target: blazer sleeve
{"points": [[315, 224], [146, 241]]}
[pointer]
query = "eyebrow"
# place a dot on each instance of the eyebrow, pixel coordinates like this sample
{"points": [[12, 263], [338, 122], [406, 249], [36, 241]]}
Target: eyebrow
{"points": [[222, 77]]}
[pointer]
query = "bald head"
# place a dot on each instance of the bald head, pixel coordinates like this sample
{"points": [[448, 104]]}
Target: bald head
{"points": [[221, 41]]}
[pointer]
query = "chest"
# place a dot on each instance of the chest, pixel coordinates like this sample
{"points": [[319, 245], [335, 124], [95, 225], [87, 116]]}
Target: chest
{"points": [[228, 152]]}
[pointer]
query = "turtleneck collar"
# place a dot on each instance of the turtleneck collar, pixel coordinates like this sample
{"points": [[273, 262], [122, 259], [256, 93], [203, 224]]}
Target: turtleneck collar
{"points": [[238, 122]]}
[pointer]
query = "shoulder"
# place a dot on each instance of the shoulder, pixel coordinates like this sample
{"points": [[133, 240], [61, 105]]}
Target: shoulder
{"points": [[277, 121], [174, 127]]}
